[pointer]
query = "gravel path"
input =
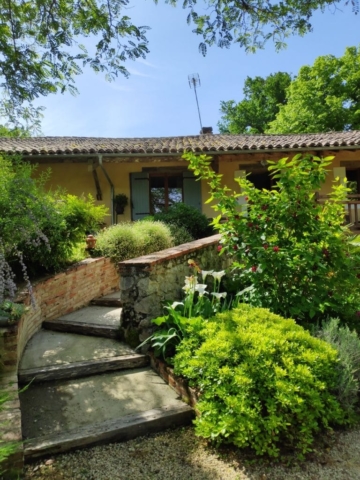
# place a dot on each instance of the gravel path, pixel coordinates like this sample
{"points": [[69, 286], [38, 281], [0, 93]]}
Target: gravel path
{"points": [[179, 455]]}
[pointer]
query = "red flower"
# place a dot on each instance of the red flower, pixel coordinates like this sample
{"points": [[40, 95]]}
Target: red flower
{"points": [[246, 199], [266, 246], [276, 249], [254, 268], [250, 224], [219, 248], [235, 247]]}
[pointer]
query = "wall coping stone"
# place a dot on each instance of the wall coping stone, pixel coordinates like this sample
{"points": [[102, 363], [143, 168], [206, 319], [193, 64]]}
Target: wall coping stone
{"points": [[170, 253]]}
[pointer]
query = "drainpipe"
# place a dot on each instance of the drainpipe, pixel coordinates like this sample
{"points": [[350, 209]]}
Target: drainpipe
{"points": [[111, 189]]}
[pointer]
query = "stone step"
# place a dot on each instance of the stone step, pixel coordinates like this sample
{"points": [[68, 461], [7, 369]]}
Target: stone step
{"points": [[111, 300], [55, 355], [116, 406], [94, 320], [82, 328]]}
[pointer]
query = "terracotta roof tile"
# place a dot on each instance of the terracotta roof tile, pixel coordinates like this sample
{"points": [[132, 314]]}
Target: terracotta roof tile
{"points": [[175, 145]]}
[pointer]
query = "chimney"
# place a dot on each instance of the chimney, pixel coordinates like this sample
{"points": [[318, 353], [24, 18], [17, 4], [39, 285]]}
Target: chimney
{"points": [[206, 131]]}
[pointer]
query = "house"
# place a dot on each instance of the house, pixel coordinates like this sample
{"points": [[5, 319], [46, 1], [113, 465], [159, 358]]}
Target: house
{"points": [[151, 172]]}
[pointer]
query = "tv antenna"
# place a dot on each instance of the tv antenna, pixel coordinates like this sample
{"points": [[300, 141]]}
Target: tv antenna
{"points": [[194, 82]]}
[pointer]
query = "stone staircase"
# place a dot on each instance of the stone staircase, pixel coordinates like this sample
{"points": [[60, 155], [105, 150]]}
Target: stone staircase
{"points": [[87, 387]]}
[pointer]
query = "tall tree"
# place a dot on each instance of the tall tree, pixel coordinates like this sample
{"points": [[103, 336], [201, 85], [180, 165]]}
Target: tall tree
{"points": [[262, 99], [41, 50], [323, 97]]}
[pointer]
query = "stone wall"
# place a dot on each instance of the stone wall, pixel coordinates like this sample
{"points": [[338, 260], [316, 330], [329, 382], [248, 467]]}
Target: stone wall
{"points": [[54, 296], [149, 281]]}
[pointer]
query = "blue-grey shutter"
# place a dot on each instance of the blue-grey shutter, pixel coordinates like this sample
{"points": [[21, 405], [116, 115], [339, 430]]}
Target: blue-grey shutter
{"points": [[140, 203], [192, 190]]}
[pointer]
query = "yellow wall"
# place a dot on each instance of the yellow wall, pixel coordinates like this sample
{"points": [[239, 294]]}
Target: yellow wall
{"points": [[77, 178]]}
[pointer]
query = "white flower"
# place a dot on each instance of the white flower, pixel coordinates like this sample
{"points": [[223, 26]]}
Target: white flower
{"points": [[201, 288], [219, 295], [175, 304], [218, 275], [205, 273]]}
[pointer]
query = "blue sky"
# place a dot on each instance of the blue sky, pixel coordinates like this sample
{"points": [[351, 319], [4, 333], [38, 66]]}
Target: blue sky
{"points": [[156, 99]]}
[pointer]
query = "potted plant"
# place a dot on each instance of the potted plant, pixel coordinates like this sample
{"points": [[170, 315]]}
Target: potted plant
{"points": [[10, 313], [120, 202]]}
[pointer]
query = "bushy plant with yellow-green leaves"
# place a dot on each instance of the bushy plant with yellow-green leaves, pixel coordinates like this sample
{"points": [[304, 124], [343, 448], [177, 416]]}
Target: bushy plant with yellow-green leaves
{"points": [[264, 381]]}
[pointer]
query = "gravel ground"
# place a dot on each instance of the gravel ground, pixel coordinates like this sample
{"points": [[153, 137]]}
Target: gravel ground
{"points": [[179, 455]]}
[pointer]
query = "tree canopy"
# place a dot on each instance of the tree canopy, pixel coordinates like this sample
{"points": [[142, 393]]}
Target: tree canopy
{"points": [[323, 97], [262, 100], [41, 50]]}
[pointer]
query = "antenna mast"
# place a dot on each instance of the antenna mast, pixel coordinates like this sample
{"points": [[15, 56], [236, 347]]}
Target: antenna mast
{"points": [[194, 82]]}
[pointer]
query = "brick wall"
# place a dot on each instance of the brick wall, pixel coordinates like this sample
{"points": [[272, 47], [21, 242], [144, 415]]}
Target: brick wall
{"points": [[54, 296]]}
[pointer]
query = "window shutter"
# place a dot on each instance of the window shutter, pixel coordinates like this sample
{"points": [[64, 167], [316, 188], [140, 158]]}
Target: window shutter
{"points": [[192, 190], [140, 204]]}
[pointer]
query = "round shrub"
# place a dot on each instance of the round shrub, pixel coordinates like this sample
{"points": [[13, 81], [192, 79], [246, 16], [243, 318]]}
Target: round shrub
{"points": [[130, 240], [264, 381], [195, 222]]}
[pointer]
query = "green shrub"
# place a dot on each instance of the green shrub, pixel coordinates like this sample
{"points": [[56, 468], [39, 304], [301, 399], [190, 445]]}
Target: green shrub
{"points": [[292, 254], [130, 240], [188, 217], [264, 381], [347, 343], [179, 234], [67, 222]]}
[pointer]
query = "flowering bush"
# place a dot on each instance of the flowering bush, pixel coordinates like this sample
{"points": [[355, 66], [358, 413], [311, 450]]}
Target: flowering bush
{"points": [[291, 254], [38, 229]]}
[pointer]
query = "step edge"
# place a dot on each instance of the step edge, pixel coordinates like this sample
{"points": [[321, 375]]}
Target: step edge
{"points": [[23, 375], [111, 430], [58, 321]]}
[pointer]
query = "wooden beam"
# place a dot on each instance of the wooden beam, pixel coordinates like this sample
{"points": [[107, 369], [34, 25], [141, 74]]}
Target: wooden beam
{"points": [[81, 369], [122, 429], [82, 328]]}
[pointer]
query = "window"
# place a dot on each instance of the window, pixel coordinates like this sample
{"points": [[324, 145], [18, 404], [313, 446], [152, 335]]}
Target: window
{"points": [[165, 190], [153, 192]]}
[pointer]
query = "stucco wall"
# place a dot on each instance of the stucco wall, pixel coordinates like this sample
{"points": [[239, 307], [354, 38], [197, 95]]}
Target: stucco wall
{"points": [[77, 178]]}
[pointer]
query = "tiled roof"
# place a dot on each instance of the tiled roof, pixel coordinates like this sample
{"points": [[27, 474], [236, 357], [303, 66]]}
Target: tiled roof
{"points": [[177, 145]]}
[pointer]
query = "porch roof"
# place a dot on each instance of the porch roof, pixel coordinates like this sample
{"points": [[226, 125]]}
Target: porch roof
{"points": [[208, 143]]}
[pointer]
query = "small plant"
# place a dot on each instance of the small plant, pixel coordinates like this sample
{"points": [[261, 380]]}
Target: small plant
{"points": [[11, 311], [264, 382], [120, 202]]}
